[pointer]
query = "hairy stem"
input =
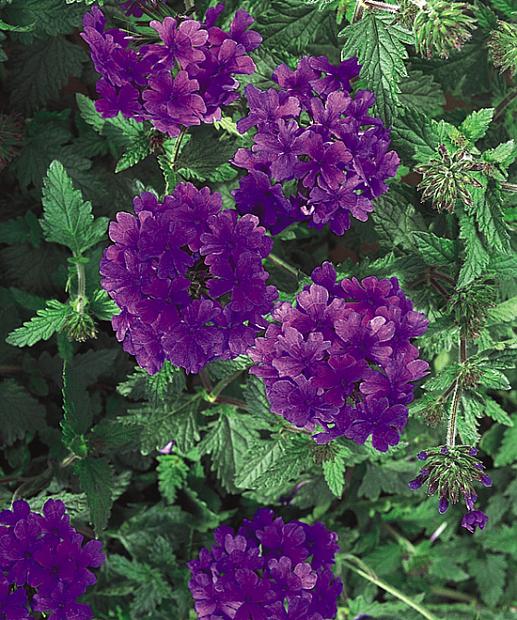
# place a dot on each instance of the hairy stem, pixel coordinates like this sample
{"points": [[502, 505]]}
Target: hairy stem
{"points": [[380, 6], [504, 103], [372, 578], [281, 263], [509, 187], [81, 287], [456, 397]]}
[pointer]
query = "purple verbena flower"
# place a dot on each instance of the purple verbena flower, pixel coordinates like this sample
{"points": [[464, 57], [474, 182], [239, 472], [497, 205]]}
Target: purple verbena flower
{"points": [[44, 566], [181, 79], [313, 130], [188, 278], [269, 566], [330, 363]]}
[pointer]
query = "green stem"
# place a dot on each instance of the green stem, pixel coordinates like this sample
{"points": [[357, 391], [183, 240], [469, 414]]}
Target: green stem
{"points": [[380, 6], [281, 263], [456, 397], [372, 577], [81, 287], [509, 187]]}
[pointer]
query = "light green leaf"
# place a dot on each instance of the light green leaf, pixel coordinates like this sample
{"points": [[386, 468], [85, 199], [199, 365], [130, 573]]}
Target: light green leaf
{"points": [[379, 43], [48, 321], [334, 472], [172, 474], [475, 126], [97, 481], [490, 575], [67, 218], [435, 250], [508, 451]]}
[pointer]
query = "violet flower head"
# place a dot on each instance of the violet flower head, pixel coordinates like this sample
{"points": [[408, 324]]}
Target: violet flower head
{"points": [[452, 471], [266, 570], [337, 155], [334, 363], [44, 566], [181, 78], [188, 279]]}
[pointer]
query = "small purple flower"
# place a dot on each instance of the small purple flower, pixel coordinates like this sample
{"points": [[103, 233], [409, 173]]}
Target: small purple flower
{"points": [[486, 481], [474, 519], [173, 101], [422, 456], [268, 566], [443, 505], [181, 43]]}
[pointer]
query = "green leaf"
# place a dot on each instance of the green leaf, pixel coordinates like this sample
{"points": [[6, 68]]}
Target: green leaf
{"points": [[504, 312], [48, 321], [387, 478], [97, 481], [396, 221], [490, 575], [20, 413], [494, 410], [334, 473], [228, 442], [508, 451], [489, 216], [40, 71], [413, 136], [102, 306], [67, 218], [45, 17], [204, 152], [172, 474], [475, 126], [421, 92], [435, 250], [476, 257], [379, 43]]}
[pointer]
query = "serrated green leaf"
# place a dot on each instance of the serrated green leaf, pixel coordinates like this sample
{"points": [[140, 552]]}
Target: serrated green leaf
{"points": [[494, 410], [20, 413], [44, 17], [413, 136], [475, 126], [228, 442], [102, 306], [387, 478], [419, 91], [48, 321], [172, 474], [204, 152], [41, 70], [504, 312], [476, 257], [334, 473], [490, 575], [507, 453], [379, 43], [67, 218], [96, 480], [435, 250]]}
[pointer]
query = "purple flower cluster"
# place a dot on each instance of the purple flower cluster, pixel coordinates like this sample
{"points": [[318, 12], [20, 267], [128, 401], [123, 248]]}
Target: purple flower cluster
{"points": [[44, 567], [179, 81], [136, 8], [342, 358], [317, 154], [268, 570], [451, 473], [188, 278]]}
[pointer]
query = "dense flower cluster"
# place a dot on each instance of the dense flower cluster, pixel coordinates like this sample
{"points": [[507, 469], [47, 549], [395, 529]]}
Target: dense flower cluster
{"points": [[180, 81], [451, 473], [342, 358], [317, 154], [268, 570], [44, 567], [188, 278]]}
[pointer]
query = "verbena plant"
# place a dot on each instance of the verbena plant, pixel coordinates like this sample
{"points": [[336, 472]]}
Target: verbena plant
{"points": [[312, 283]]}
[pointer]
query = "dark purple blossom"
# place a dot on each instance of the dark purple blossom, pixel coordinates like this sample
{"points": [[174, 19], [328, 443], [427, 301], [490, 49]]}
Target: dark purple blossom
{"points": [[314, 130], [44, 566], [188, 278], [181, 79], [474, 519], [334, 362], [268, 570]]}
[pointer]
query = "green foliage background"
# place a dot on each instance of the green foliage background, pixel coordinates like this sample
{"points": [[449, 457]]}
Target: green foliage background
{"points": [[79, 422]]}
